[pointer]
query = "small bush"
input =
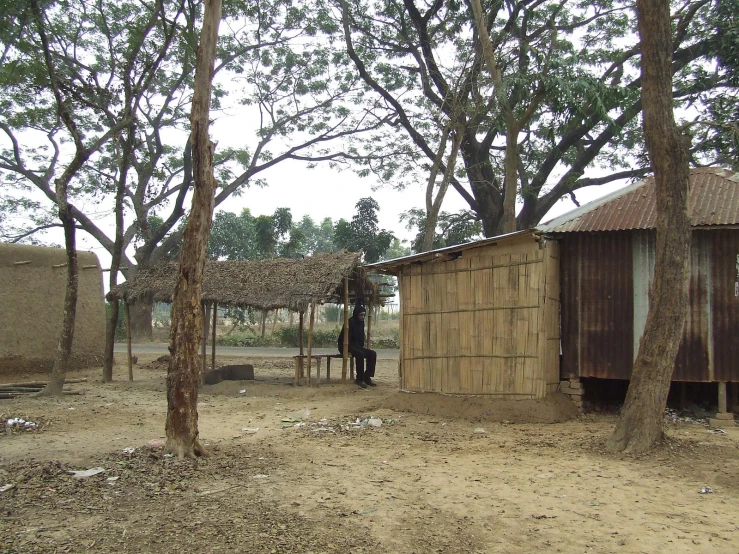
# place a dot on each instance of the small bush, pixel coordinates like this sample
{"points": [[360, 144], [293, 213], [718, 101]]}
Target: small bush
{"points": [[246, 340], [392, 342], [288, 337]]}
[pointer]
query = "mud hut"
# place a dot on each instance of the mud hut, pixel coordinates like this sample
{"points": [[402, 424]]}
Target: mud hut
{"points": [[34, 280], [480, 318], [608, 250], [295, 284]]}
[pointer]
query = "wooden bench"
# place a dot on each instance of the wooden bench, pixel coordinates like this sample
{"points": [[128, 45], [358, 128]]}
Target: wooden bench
{"points": [[340, 356], [299, 362]]}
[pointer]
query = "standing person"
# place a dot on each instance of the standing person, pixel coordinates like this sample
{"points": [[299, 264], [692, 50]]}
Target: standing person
{"points": [[357, 349]]}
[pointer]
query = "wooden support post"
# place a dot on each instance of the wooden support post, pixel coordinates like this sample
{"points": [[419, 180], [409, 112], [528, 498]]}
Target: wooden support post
{"points": [[369, 325], [345, 348], [204, 341], [310, 336], [128, 338], [722, 398], [213, 340], [400, 332], [301, 329]]}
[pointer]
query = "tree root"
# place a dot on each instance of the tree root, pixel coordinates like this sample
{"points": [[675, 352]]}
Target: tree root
{"points": [[185, 449]]}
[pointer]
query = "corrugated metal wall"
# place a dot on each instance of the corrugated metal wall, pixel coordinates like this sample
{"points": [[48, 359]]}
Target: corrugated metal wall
{"points": [[597, 305], [605, 299], [724, 246]]}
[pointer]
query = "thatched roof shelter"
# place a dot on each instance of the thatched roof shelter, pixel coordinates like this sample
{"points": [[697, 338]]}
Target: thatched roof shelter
{"points": [[262, 284]]}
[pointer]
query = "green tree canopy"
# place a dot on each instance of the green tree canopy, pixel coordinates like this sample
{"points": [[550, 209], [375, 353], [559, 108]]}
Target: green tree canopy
{"points": [[568, 73], [363, 233]]}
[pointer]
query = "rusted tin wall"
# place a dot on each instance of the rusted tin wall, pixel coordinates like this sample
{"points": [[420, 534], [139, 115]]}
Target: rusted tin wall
{"points": [[597, 304], [724, 246], [605, 300]]}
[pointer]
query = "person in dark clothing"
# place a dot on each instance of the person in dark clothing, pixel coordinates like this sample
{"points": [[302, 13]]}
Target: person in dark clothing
{"points": [[357, 349]]}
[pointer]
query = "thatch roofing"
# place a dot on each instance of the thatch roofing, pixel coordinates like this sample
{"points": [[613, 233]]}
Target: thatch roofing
{"points": [[262, 284]]}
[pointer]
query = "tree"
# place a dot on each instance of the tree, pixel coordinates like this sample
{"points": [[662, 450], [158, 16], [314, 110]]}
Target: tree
{"points": [[187, 313], [564, 96], [59, 108], [640, 424], [362, 233], [283, 72], [451, 228]]}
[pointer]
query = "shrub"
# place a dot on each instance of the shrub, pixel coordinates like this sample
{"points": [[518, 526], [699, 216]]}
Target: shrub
{"points": [[246, 340], [392, 342], [288, 337]]}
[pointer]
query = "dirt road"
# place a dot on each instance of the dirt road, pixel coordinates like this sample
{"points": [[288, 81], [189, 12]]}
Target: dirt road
{"points": [[298, 469], [243, 352]]}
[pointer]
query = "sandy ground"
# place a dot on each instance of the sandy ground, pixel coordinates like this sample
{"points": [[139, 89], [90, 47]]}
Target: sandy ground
{"points": [[439, 475]]}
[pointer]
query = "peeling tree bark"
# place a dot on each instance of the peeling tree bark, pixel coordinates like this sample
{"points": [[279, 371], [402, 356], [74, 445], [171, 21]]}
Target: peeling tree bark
{"points": [[187, 314], [640, 425], [64, 349]]}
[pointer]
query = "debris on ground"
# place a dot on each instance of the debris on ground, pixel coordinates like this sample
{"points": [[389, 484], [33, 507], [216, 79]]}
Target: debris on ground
{"points": [[676, 416], [84, 473]]}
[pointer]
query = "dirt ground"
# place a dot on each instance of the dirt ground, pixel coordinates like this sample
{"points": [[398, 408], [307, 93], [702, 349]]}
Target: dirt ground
{"points": [[299, 470]]}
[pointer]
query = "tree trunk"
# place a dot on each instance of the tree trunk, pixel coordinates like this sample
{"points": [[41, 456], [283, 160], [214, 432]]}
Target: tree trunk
{"points": [[141, 328], [64, 349], [433, 205], [640, 425], [274, 323], [110, 329], [115, 263], [183, 371], [510, 187], [488, 198]]}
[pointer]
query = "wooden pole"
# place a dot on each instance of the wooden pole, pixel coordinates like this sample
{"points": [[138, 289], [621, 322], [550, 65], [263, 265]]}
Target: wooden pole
{"points": [[213, 340], [128, 339], [204, 341], [301, 330], [369, 325], [310, 336], [345, 349], [400, 331]]}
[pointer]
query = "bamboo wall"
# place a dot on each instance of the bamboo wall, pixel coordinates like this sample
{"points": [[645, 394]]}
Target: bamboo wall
{"points": [[484, 323]]}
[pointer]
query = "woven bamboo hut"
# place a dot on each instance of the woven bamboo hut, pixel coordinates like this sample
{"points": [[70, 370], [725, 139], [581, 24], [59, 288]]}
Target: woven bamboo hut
{"points": [[480, 318], [295, 284], [34, 280]]}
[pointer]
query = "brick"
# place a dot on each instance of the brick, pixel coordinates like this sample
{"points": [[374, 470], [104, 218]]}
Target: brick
{"points": [[577, 385], [576, 392]]}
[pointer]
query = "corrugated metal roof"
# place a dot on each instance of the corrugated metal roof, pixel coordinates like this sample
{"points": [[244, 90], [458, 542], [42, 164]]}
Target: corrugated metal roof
{"points": [[714, 199]]}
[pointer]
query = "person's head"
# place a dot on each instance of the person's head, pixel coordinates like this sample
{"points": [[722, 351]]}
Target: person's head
{"points": [[359, 312]]}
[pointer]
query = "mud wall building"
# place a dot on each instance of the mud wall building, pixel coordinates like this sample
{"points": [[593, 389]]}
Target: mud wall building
{"points": [[33, 282]]}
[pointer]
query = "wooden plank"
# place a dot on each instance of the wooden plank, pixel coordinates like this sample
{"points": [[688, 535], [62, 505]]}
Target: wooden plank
{"points": [[310, 336], [213, 341], [345, 350], [128, 341]]}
